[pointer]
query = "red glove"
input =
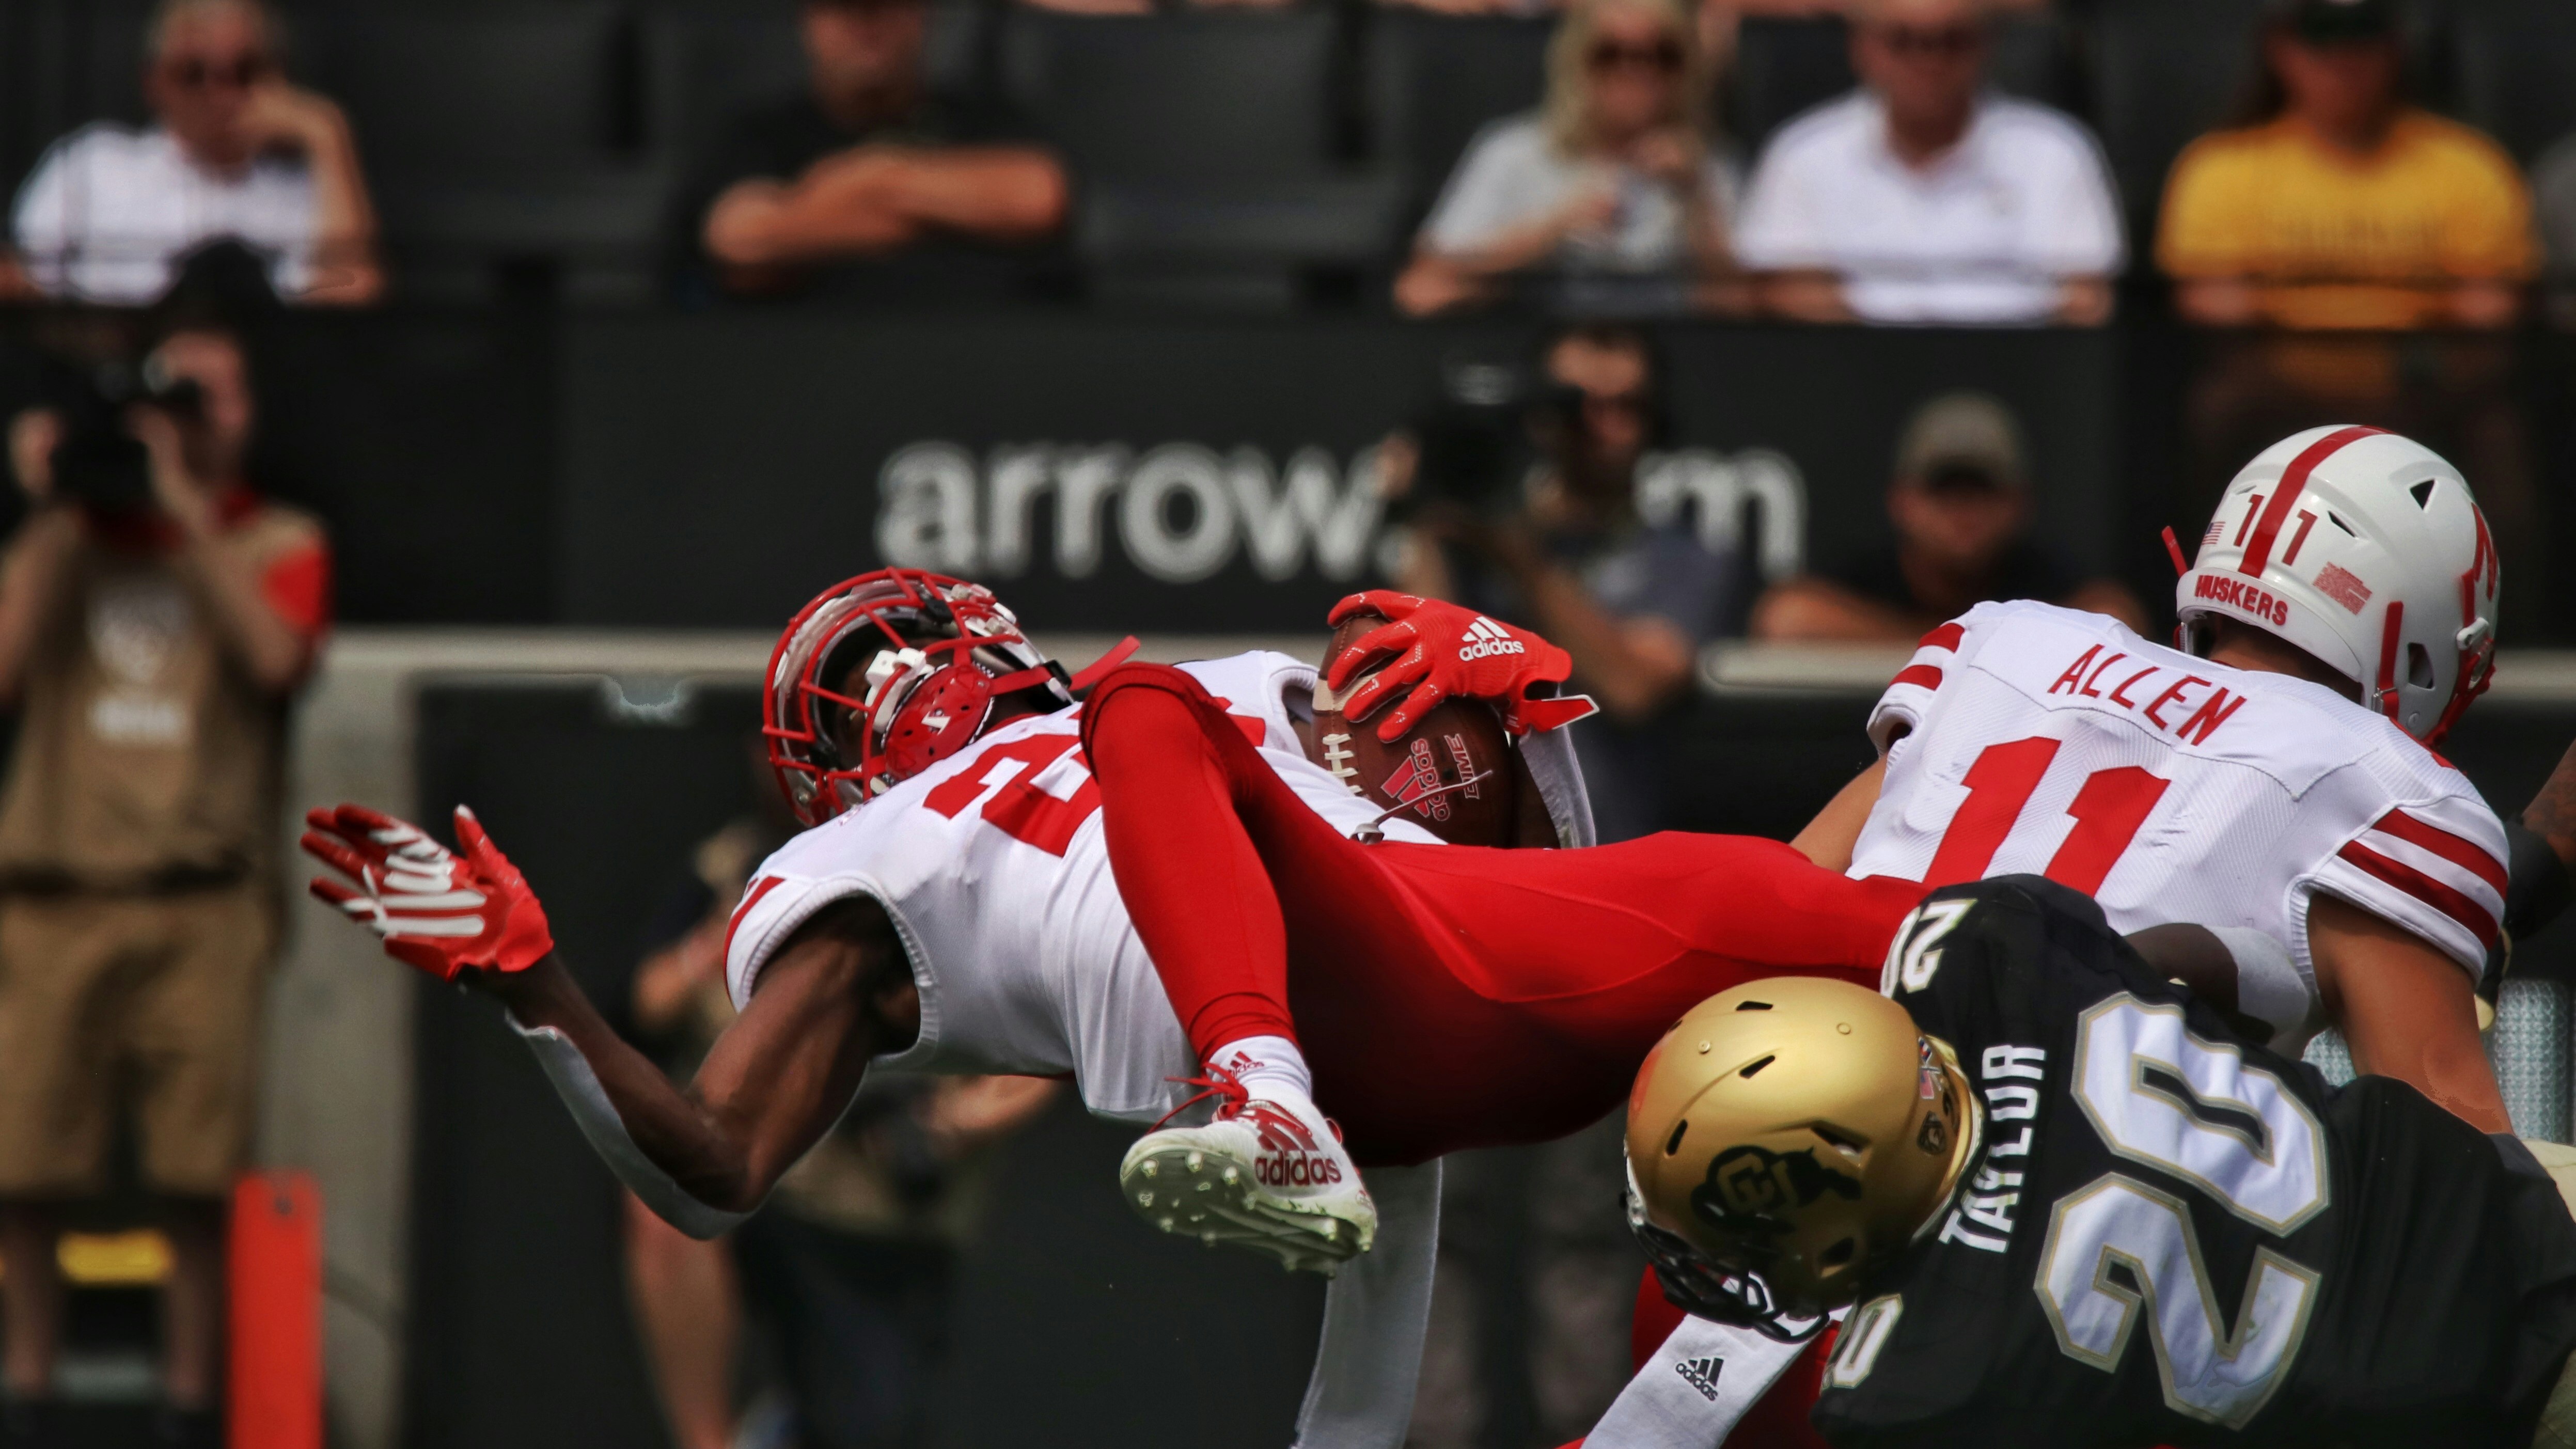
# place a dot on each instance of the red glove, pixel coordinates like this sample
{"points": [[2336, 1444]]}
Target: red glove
{"points": [[434, 910], [1443, 650]]}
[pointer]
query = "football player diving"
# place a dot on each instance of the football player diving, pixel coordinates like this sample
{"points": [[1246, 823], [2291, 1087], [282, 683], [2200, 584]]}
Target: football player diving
{"points": [[2066, 1204], [1154, 890]]}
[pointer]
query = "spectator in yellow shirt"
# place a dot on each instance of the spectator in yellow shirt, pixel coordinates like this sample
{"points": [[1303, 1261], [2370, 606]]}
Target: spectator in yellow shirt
{"points": [[2339, 205]]}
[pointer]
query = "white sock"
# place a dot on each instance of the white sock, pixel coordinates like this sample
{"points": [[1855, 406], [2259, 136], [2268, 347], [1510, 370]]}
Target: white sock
{"points": [[1269, 1066]]}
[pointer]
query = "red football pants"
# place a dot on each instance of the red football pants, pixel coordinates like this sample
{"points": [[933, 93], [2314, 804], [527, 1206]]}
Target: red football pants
{"points": [[1446, 997]]}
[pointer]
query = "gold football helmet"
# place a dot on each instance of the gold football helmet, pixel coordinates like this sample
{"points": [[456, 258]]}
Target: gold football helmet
{"points": [[1786, 1137]]}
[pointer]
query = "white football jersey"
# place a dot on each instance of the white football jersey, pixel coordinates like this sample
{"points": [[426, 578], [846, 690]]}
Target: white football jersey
{"points": [[2046, 741], [992, 866]]}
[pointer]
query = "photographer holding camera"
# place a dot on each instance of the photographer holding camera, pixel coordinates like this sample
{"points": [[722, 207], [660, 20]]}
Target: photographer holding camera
{"points": [[155, 615], [1520, 500]]}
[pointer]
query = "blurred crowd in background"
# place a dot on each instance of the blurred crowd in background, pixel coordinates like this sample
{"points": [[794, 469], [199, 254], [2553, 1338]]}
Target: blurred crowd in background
{"points": [[2354, 206], [2355, 201], [1886, 161]]}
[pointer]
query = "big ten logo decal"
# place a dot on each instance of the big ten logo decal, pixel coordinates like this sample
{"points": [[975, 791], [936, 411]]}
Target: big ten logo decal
{"points": [[1183, 511], [1752, 1189]]}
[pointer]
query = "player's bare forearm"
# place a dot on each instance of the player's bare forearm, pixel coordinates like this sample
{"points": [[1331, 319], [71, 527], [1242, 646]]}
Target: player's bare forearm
{"points": [[688, 1142], [774, 1083], [2406, 1010], [835, 992], [786, 1069], [1829, 838]]}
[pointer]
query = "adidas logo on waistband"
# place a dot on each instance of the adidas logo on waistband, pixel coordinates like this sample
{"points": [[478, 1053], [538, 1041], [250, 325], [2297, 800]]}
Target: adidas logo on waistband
{"points": [[1701, 1374]]}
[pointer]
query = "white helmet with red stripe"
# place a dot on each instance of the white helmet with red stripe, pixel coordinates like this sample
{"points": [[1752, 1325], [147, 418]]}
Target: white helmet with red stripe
{"points": [[2366, 550]]}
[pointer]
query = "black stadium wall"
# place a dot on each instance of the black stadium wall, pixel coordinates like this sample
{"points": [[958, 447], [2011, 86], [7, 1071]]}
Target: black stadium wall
{"points": [[1115, 475], [713, 470]]}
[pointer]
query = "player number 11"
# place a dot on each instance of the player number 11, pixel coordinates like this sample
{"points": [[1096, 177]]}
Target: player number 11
{"points": [[2108, 810]]}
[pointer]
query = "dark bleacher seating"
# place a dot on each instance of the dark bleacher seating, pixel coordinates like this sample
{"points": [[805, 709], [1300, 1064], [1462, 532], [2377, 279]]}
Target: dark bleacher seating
{"points": [[1179, 97], [1206, 150], [495, 91], [64, 63], [2034, 58], [705, 64], [708, 61], [1433, 81], [2514, 71], [552, 130], [498, 135], [1784, 66], [2164, 72]]}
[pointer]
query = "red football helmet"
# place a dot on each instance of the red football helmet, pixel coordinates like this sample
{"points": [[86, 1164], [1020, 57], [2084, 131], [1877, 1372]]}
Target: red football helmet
{"points": [[939, 651]]}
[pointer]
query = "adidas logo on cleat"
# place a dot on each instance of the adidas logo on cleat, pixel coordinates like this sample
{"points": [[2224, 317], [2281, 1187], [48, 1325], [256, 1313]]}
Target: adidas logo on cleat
{"points": [[1701, 1374], [1485, 639], [1298, 1169]]}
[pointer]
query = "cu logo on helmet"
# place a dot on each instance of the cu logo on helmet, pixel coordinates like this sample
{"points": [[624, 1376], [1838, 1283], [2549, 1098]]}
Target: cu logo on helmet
{"points": [[1485, 639], [1753, 1188]]}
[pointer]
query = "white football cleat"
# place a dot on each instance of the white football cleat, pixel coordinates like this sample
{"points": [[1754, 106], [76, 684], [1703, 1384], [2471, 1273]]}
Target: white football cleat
{"points": [[1269, 1175]]}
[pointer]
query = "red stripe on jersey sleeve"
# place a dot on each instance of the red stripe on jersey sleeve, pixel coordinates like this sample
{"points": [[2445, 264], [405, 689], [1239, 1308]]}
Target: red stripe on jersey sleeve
{"points": [[1927, 675], [2472, 917], [750, 898], [1945, 637], [2460, 852]]}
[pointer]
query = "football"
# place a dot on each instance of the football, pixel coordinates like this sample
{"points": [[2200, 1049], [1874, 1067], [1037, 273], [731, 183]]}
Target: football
{"points": [[1460, 739]]}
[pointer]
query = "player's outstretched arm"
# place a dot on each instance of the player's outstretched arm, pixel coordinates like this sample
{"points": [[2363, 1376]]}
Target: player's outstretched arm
{"points": [[2406, 1010], [838, 993], [1829, 839], [775, 1081]]}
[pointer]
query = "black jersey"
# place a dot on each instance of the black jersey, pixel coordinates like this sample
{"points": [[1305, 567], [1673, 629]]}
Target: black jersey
{"points": [[2171, 1236]]}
